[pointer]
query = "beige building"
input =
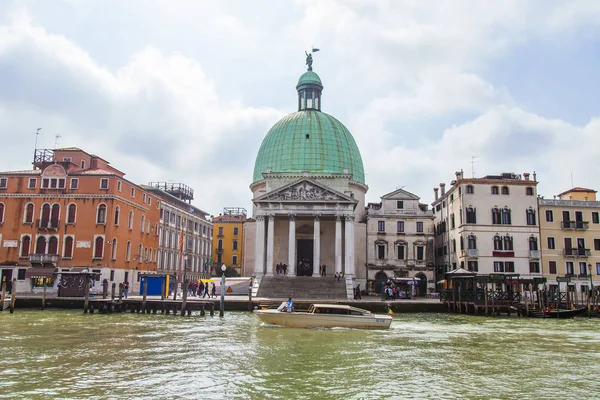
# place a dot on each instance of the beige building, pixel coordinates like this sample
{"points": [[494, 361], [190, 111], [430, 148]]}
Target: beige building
{"points": [[570, 234], [488, 225], [400, 241]]}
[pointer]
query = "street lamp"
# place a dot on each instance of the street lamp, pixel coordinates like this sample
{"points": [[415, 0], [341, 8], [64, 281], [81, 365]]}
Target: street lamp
{"points": [[222, 312]]}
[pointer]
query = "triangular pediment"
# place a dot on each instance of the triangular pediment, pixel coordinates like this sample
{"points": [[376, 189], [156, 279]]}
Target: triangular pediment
{"points": [[400, 194], [305, 190]]}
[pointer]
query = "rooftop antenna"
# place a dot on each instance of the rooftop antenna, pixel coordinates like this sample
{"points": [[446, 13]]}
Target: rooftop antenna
{"points": [[56, 140], [37, 133], [572, 185], [473, 165]]}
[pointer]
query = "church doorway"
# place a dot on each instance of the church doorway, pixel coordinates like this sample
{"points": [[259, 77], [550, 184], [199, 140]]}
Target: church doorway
{"points": [[380, 281], [305, 257]]}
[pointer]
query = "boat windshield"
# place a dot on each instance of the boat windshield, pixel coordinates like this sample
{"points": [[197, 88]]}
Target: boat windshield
{"points": [[337, 311]]}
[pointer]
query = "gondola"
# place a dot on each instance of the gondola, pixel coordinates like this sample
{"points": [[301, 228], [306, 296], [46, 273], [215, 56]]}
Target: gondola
{"points": [[560, 313]]}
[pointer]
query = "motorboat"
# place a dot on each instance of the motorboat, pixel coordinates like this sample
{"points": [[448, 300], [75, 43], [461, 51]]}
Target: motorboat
{"points": [[324, 316]]}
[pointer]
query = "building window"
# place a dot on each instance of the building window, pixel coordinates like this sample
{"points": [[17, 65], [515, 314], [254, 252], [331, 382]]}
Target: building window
{"points": [[234, 259], [132, 192], [68, 247], [454, 245], [598, 268], [149, 200], [473, 266], [25, 244], [570, 268], [119, 186], [71, 213], [82, 164], [29, 211], [549, 216], [595, 217], [399, 204], [99, 248], [1, 213], [104, 183], [400, 226], [508, 243], [420, 227], [143, 220], [380, 226], [529, 191], [143, 197], [504, 189], [498, 266], [509, 266], [130, 222], [531, 216], [45, 215], [101, 214], [128, 251], [496, 219], [533, 243], [452, 221], [401, 252], [471, 215], [40, 245], [498, 243], [74, 183], [534, 267], [470, 189], [32, 183], [495, 190], [551, 243], [552, 267], [3, 183], [472, 242], [381, 251], [420, 253], [235, 231], [582, 268], [117, 212], [113, 249], [506, 216]]}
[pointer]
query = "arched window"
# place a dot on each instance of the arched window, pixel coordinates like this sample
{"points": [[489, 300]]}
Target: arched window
{"points": [[1, 213], [471, 215], [472, 242], [130, 223], [495, 190], [529, 191], [29, 212], [498, 243], [506, 216], [462, 243], [117, 211], [531, 216], [505, 190], [508, 242], [68, 249], [99, 248], [25, 243], [55, 215], [40, 245], [71, 213], [156, 228], [142, 224], [148, 224], [140, 251], [45, 215], [53, 245], [533, 243], [128, 252], [496, 219], [101, 214], [114, 249]]}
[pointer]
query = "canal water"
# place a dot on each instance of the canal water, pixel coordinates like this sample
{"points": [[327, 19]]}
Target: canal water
{"points": [[68, 355]]}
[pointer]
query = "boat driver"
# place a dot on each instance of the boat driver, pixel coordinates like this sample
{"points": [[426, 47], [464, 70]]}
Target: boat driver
{"points": [[289, 305]]}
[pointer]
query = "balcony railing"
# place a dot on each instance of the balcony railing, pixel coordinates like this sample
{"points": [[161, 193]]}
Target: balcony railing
{"points": [[470, 253], [47, 224], [535, 254], [43, 258], [577, 225], [220, 251], [576, 252]]}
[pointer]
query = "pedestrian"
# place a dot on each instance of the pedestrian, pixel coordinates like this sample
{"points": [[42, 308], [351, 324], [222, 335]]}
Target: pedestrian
{"points": [[126, 289], [200, 288], [58, 286], [324, 269], [213, 292], [358, 295], [206, 291]]}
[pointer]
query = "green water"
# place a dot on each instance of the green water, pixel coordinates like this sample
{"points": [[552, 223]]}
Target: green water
{"points": [[68, 355]]}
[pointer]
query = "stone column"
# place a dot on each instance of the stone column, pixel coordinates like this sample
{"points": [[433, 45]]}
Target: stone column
{"points": [[349, 262], [317, 246], [292, 246], [338, 243], [259, 256], [270, 244]]}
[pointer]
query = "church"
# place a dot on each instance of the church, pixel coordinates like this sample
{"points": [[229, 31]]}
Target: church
{"points": [[308, 194]]}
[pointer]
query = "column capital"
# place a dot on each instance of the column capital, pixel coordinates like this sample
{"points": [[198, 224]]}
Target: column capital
{"points": [[292, 216], [271, 217], [260, 217], [317, 216], [338, 217], [349, 217]]}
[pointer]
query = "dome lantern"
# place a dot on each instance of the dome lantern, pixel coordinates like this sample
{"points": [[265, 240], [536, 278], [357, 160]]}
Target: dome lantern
{"points": [[309, 88]]}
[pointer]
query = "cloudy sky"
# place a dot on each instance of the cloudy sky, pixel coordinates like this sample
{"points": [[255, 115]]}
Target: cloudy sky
{"points": [[186, 90]]}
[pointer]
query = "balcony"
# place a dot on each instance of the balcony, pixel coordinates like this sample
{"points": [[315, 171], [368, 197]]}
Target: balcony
{"points": [[43, 258], [576, 225], [47, 224], [576, 253], [470, 253], [535, 254], [220, 251]]}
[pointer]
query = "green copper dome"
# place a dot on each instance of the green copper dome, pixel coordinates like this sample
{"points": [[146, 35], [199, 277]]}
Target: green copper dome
{"points": [[309, 140], [309, 77]]}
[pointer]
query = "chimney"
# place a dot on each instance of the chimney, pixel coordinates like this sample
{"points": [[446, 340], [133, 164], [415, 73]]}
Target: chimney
{"points": [[435, 190], [458, 175], [526, 175], [534, 177], [443, 188]]}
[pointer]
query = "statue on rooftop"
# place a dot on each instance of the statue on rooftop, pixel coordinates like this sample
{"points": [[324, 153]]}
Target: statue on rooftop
{"points": [[309, 60]]}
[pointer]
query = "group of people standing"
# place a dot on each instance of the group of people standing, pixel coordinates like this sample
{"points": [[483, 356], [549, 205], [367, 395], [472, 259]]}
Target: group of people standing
{"points": [[281, 269], [203, 290], [323, 270]]}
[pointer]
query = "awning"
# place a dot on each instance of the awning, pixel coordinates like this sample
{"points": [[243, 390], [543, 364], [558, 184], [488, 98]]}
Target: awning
{"points": [[407, 279], [39, 272]]}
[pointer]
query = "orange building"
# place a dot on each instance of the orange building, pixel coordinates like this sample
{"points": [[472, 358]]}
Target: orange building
{"points": [[74, 211], [227, 248]]}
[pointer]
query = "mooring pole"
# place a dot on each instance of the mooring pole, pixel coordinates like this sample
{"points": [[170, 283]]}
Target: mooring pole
{"points": [[13, 295]]}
